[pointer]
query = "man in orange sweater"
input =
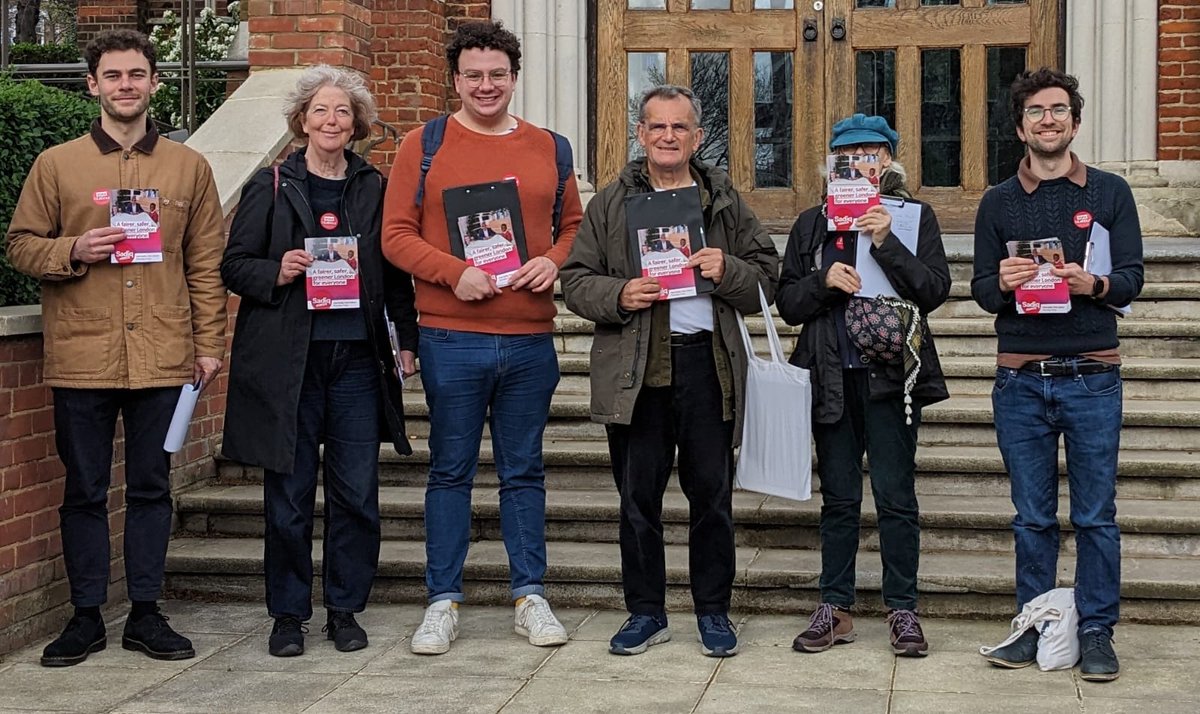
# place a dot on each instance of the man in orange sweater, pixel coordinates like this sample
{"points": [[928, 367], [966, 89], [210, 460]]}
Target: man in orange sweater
{"points": [[484, 349]]}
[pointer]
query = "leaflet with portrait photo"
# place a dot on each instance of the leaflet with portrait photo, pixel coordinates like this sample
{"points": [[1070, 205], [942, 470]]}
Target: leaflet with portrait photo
{"points": [[853, 187], [136, 211], [332, 279], [486, 228], [1044, 293], [665, 229]]}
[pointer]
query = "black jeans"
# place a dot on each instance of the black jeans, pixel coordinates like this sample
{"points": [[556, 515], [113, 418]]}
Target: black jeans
{"points": [[340, 406], [85, 421], [891, 446], [688, 414]]}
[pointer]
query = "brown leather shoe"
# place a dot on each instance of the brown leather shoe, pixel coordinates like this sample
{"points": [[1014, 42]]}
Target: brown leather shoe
{"points": [[828, 626]]}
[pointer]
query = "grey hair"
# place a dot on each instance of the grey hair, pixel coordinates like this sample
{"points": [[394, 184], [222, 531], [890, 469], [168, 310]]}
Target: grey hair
{"points": [[362, 104], [668, 91]]}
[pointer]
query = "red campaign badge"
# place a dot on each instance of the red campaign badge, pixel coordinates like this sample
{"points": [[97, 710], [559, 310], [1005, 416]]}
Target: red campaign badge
{"points": [[100, 197], [329, 221], [840, 244], [1083, 220]]}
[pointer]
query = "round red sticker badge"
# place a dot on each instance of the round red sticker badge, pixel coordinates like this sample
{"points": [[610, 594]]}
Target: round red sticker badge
{"points": [[329, 221], [100, 197], [1083, 219]]}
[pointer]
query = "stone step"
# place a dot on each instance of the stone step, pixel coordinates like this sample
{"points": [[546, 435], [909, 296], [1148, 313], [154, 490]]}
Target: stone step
{"points": [[948, 523], [947, 470], [1144, 377], [777, 580], [1148, 424]]}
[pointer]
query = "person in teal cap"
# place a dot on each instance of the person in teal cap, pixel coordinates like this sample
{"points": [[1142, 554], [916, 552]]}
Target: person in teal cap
{"points": [[866, 396]]}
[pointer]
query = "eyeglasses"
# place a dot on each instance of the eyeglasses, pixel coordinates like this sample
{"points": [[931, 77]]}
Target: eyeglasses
{"points": [[860, 149], [659, 129], [474, 77], [1059, 111]]}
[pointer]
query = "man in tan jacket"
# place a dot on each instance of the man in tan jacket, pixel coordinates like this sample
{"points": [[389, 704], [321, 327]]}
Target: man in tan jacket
{"points": [[128, 318]]}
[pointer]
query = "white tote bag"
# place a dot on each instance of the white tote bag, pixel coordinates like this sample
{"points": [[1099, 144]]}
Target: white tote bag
{"points": [[776, 452], [1054, 616]]}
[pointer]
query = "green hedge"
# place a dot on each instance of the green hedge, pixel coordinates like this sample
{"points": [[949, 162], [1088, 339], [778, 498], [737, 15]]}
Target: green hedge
{"points": [[33, 117], [33, 53]]}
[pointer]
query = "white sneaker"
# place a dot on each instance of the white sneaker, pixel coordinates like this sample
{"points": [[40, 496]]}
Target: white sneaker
{"points": [[535, 620], [437, 630]]}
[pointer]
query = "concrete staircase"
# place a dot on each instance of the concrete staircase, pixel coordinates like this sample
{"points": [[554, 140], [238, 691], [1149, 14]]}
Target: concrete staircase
{"points": [[967, 562]]}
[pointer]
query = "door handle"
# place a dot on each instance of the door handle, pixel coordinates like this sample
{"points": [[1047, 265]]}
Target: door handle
{"points": [[838, 30], [810, 31]]}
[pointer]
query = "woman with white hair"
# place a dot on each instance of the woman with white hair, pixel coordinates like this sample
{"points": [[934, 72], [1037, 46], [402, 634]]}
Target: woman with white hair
{"points": [[874, 366], [300, 377]]}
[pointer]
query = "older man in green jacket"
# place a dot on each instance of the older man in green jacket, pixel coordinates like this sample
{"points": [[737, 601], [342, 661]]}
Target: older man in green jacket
{"points": [[668, 375]]}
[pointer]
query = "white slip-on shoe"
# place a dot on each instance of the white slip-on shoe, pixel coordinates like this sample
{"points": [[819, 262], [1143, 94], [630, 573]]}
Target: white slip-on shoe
{"points": [[534, 619], [437, 630]]}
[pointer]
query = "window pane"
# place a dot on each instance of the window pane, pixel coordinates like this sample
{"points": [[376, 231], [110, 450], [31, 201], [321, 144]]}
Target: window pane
{"points": [[941, 118], [647, 4], [710, 4], [772, 119], [876, 3], [646, 69], [773, 5], [1005, 2], [929, 3], [710, 82], [1005, 150], [875, 84]]}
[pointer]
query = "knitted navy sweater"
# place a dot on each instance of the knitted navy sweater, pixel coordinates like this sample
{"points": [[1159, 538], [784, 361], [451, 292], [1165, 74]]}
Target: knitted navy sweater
{"points": [[1057, 209]]}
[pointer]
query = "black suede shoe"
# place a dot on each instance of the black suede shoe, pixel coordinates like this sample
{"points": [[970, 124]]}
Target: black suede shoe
{"points": [[1097, 661], [287, 637], [346, 633], [1021, 653], [151, 634], [81, 637]]}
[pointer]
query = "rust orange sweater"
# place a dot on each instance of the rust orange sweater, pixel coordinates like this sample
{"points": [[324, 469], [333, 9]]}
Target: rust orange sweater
{"points": [[415, 238]]}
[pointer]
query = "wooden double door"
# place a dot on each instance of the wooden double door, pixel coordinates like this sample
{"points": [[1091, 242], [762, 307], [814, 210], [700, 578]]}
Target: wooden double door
{"points": [[774, 75]]}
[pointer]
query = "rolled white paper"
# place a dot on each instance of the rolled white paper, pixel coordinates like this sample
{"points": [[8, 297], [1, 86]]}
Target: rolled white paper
{"points": [[177, 432]]}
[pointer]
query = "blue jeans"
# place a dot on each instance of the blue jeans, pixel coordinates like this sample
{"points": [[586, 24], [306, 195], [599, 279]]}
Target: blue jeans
{"points": [[340, 406], [507, 379], [1031, 411]]}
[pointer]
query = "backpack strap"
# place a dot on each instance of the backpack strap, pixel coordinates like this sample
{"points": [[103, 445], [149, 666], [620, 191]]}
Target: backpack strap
{"points": [[431, 140], [565, 161]]}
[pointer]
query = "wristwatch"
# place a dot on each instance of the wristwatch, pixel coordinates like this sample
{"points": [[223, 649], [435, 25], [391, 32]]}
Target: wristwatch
{"points": [[1097, 286]]}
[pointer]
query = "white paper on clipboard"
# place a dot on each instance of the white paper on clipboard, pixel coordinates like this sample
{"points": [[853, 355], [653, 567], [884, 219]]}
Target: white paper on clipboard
{"points": [[906, 224], [1099, 260]]}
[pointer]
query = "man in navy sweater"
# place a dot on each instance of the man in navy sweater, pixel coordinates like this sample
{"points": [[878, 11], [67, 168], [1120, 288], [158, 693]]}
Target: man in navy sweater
{"points": [[1059, 374]]}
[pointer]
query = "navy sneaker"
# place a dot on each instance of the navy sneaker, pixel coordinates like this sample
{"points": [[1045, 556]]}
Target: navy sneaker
{"points": [[717, 638], [638, 634], [1097, 661]]}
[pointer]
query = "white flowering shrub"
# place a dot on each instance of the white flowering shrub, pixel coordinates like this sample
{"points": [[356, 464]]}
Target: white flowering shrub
{"points": [[211, 42]]}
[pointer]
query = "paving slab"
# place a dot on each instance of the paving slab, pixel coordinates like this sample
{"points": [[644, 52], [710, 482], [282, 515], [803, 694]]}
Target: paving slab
{"points": [[83, 690], [1165, 678], [205, 644], [1094, 705], [725, 698], [852, 666], [370, 694], [967, 673], [678, 662], [1010, 703], [235, 617], [250, 655], [199, 691], [543, 696], [511, 658]]}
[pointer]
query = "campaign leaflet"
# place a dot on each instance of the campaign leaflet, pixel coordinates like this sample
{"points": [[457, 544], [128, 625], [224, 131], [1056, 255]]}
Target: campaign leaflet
{"points": [[136, 211], [853, 187], [665, 228], [486, 229], [332, 279], [1044, 293]]}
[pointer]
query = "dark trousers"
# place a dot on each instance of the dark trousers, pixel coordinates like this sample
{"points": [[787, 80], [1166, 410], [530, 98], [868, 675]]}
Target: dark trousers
{"points": [[891, 446], [687, 415], [339, 405], [85, 421]]}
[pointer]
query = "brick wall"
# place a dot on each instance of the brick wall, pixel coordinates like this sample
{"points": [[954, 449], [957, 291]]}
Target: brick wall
{"points": [[1179, 80], [300, 33], [98, 15], [34, 595]]}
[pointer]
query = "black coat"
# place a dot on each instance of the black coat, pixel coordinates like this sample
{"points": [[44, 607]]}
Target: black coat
{"points": [[803, 299], [270, 343]]}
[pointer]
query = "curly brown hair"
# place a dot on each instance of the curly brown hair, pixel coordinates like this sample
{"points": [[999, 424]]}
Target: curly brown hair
{"points": [[119, 41], [484, 35], [1029, 83]]}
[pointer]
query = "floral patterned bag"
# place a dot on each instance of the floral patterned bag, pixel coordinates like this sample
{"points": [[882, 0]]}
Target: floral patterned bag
{"points": [[888, 330]]}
